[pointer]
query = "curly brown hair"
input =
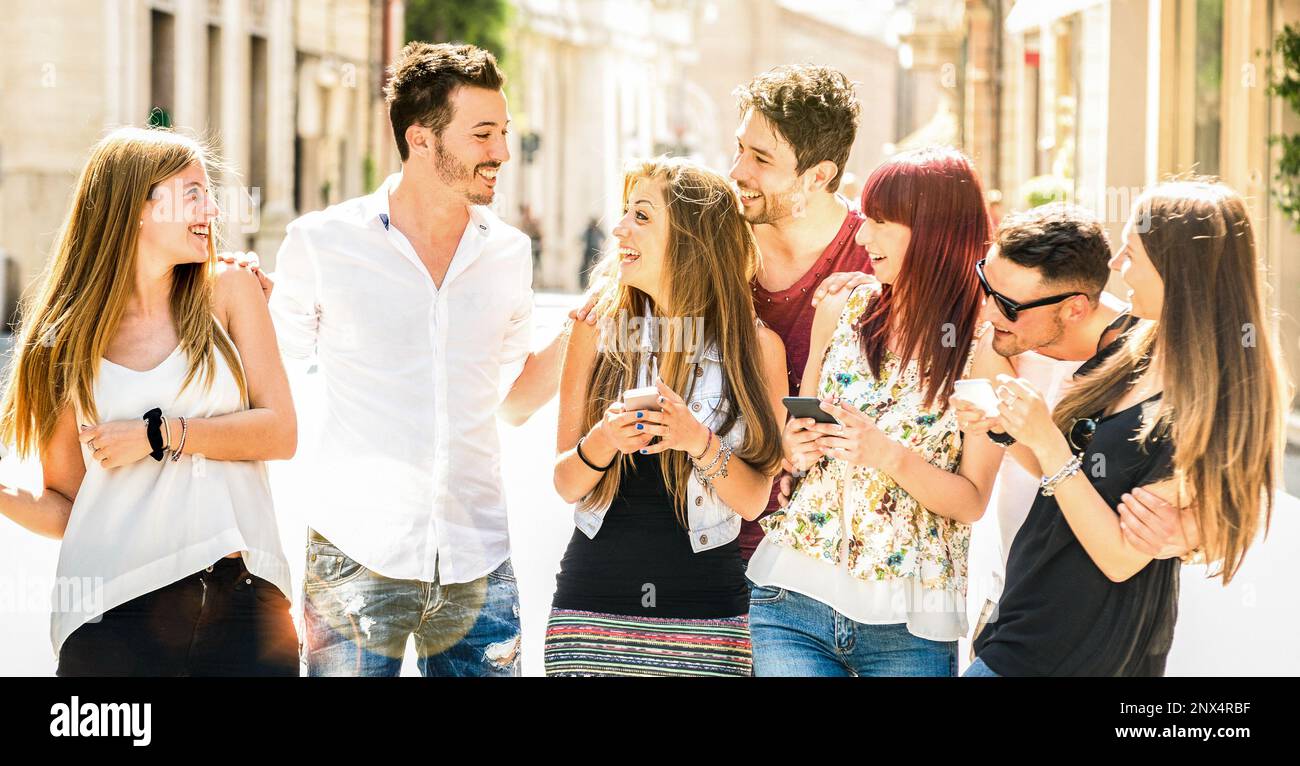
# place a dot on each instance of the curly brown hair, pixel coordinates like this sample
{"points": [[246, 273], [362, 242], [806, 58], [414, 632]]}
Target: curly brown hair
{"points": [[424, 77], [812, 107]]}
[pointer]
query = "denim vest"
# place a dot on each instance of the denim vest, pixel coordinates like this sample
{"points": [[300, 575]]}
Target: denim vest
{"points": [[710, 522]]}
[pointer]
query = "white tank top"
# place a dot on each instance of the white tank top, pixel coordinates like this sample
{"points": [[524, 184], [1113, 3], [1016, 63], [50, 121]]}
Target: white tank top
{"points": [[143, 526]]}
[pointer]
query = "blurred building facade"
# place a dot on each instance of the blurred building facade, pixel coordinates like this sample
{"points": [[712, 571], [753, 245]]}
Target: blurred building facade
{"points": [[288, 92], [595, 83], [1097, 99], [591, 85]]}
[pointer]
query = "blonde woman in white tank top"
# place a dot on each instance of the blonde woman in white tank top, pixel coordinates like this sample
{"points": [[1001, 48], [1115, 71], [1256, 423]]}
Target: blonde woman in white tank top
{"points": [[171, 562]]}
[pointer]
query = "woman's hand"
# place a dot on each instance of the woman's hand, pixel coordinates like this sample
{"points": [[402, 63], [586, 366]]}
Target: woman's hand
{"points": [[799, 443], [680, 429], [247, 260], [118, 443], [856, 439], [972, 420], [1025, 415], [841, 280], [1156, 527], [628, 431]]}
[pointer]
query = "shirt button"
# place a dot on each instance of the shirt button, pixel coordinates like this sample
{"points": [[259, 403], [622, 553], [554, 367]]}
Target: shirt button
{"points": [[248, 581], [704, 539], [209, 569], [699, 501], [699, 372], [696, 407]]}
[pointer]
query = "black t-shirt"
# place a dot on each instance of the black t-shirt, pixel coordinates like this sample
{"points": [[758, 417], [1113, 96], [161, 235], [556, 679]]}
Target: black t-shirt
{"points": [[641, 562], [1059, 615]]}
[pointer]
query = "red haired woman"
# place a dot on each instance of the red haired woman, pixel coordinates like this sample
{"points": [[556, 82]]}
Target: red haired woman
{"points": [[864, 572]]}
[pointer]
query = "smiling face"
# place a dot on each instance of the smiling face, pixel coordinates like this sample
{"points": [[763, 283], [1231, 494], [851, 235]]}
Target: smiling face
{"points": [[1146, 287], [642, 236], [764, 170], [1034, 328], [886, 242], [176, 223], [467, 154]]}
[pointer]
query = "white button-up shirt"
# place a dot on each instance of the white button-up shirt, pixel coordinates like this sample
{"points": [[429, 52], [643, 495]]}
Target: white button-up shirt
{"points": [[406, 477]]}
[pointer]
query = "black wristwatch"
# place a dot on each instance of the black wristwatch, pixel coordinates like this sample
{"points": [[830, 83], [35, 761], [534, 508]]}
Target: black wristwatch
{"points": [[154, 429], [1002, 440]]}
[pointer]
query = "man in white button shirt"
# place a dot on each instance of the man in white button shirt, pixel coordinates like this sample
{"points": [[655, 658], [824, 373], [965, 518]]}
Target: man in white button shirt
{"points": [[416, 302]]}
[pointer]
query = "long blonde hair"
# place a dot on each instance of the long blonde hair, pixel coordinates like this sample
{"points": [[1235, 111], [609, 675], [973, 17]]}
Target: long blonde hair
{"points": [[1223, 403], [710, 258], [67, 326]]}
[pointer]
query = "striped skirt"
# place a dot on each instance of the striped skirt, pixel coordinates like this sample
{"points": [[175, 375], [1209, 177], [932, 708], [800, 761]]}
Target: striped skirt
{"points": [[595, 644]]}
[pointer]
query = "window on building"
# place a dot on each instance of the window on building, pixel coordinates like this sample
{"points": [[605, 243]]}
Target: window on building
{"points": [[214, 86], [257, 117], [162, 65], [1209, 85]]}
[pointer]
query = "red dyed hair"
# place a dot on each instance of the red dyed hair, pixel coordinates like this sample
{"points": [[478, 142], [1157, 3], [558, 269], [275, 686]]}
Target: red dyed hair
{"points": [[935, 299]]}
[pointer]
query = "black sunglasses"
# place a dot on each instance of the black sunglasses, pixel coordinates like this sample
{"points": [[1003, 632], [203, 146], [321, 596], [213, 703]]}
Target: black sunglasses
{"points": [[1010, 309], [1081, 432]]}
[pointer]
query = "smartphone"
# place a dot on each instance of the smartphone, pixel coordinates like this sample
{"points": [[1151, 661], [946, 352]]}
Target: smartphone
{"points": [[807, 407], [979, 392], [645, 398]]}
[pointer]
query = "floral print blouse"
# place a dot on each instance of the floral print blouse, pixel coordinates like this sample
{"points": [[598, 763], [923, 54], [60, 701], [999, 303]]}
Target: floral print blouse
{"points": [[890, 535]]}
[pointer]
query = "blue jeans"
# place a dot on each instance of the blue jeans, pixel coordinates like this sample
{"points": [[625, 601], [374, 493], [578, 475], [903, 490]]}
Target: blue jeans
{"points": [[357, 621], [795, 635], [978, 669]]}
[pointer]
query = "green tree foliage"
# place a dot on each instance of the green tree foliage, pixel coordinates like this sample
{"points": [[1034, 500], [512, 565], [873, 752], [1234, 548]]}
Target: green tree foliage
{"points": [[1286, 85], [478, 22]]}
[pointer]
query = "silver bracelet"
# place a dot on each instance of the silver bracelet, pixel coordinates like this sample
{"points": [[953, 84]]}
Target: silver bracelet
{"points": [[706, 478], [721, 446], [722, 471], [1047, 485]]}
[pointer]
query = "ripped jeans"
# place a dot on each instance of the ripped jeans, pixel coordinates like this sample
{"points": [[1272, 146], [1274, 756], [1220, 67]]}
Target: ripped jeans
{"points": [[357, 621]]}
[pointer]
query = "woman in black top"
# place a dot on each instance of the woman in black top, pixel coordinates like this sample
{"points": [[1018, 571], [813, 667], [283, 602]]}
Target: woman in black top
{"points": [[1189, 407], [652, 582]]}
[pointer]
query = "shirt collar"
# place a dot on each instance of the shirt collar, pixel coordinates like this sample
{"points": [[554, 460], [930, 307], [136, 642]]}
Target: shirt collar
{"points": [[377, 211]]}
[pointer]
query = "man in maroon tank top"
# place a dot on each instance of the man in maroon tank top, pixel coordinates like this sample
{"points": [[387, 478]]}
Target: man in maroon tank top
{"points": [[797, 126]]}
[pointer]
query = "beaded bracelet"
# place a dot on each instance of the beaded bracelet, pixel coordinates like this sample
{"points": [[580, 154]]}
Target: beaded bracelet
{"points": [[1048, 484]]}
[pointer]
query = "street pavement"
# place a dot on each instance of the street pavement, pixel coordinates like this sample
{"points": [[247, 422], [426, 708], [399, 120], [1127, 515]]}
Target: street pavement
{"points": [[1251, 627]]}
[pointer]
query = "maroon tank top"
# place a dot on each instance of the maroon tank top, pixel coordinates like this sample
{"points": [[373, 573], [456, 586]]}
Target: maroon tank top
{"points": [[789, 313]]}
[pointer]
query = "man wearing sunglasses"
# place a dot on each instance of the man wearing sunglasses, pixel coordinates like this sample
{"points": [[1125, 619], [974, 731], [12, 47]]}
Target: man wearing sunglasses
{"points": [[1044, 284]]}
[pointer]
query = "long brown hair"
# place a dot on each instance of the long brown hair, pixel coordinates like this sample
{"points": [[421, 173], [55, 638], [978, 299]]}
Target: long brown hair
{"points": [[711, 256], [1222, 404], [67, 327], [932, 307]]}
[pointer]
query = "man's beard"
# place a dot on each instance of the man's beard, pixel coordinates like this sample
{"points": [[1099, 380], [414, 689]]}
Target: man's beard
{"points": [[776, 208], [1020, 346], [460, 177]]}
